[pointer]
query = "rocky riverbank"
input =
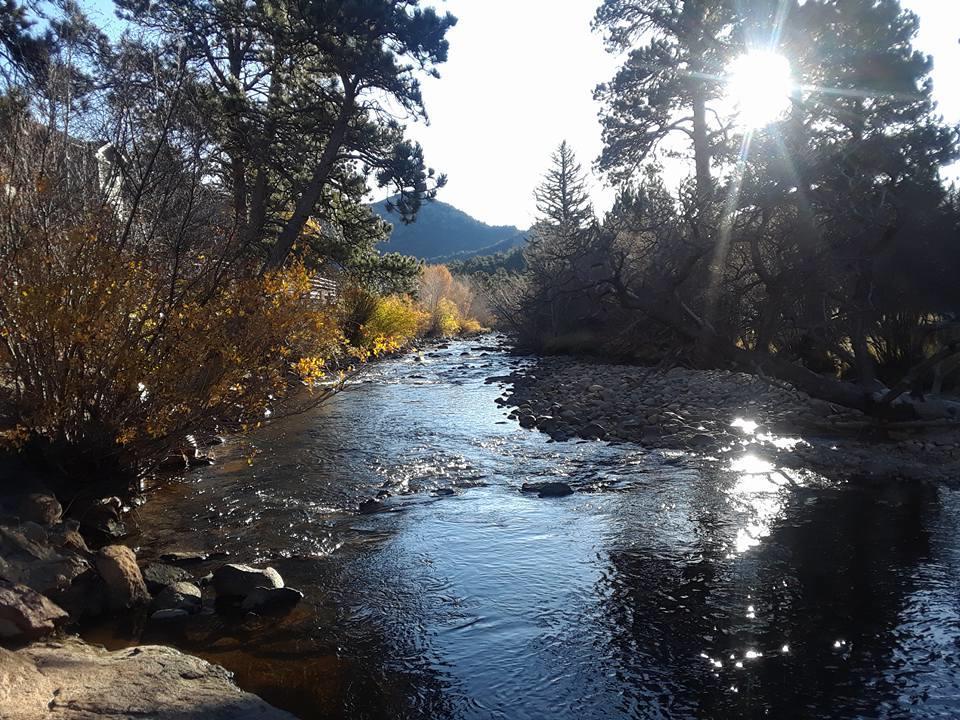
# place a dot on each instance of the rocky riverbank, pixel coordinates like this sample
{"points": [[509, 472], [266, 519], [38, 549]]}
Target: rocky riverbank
{"points": [[70, 679], [709, 413], [51, 581]]}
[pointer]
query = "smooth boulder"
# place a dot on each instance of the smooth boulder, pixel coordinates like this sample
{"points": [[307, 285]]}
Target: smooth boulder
{"points": [[101, 518], [26, 614], [179, 596], [235, 580], [160, 575], [117, 565], [263, 598], [32, 561], [71, 680], [554, 489]]}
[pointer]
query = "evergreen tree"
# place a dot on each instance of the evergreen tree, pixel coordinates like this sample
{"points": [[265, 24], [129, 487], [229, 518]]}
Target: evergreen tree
{"points": [[677, 50], [559, 246], [858, 163], [302, 97], [562, 198], [23, 51]]}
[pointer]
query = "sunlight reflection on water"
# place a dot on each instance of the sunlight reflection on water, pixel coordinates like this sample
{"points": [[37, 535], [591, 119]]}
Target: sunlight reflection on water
{"points": [[668, 585]]}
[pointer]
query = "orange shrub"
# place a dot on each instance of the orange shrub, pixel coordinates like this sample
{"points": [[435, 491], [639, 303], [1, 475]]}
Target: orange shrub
{"points": [[110, 355]]}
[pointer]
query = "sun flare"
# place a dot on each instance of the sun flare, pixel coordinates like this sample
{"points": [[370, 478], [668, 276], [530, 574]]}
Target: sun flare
{"points": [[759, 83]]}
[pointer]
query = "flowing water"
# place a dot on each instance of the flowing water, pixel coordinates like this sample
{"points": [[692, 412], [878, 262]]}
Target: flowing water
{"points": [[666, 587]]}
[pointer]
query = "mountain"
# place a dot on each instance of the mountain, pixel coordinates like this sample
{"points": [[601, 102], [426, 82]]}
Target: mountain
{"points": [[442, 233]]}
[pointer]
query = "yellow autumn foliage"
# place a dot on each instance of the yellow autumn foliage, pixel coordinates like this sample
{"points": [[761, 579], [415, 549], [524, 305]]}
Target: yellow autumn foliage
{"points": [[108, 353], [446, 318], [454, 306], [396, 319]]}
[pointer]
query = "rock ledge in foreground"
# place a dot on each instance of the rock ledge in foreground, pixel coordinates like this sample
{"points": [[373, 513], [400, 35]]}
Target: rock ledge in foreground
{"points": [[73, 680]]}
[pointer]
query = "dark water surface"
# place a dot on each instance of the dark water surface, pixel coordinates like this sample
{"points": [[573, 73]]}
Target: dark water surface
{"points": [[663, 588]]}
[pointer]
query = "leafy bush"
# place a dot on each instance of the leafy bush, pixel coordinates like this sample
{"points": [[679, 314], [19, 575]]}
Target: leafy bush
{"points": [[110, 356], [446, 318], [471, 326], [394, 323], [357, 305], [453, 302]]}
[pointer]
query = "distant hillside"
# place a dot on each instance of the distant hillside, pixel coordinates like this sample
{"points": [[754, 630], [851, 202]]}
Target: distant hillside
{"points": [[442, 233]]}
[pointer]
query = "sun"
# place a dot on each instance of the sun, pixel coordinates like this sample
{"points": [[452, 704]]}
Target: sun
{"points": [[759, 84]]}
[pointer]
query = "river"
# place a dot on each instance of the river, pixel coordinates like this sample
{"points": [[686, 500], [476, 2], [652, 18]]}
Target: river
{"points": [[665, 587]]}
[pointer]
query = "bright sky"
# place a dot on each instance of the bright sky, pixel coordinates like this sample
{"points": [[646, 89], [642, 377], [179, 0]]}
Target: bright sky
{"points": [[520, 78]]}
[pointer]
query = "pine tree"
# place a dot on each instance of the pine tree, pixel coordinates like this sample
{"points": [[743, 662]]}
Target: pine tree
{"points": [[302, 97], [562, 198], [676, 51], [859, 159]]}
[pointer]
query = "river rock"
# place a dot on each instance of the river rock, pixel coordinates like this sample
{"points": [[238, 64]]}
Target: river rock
{"points": [[263, 598], [41, 509], [554, 489], [85, 596], [174, 462], [700, 441], [169, 614], [34, 532], [159, 575], [179, 596], [117, 566], [594, 431], [33, 562], [371, 505], [14, 544], [527, 421], [75, 681], [184, 557], [234, 580], [26, 614], [66, 536], [101, 518], [547, 489], [548, 425]]}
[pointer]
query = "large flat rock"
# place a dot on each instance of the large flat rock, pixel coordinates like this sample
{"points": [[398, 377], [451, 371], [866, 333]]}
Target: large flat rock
{"points": [[73, 681]]}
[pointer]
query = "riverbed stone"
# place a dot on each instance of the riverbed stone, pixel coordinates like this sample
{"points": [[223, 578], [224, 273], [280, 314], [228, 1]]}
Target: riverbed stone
{"points": [[160, 575], [100, 518], [75, 681], [40, 508], [34, 532], [67, 537], [371, 505], [594, 431], [26, 614], [179, 596], [554, 489], [235, 580], [184, 557], [14, 544], [117, 565], [701, 441], [267, 598], [34, 562]]}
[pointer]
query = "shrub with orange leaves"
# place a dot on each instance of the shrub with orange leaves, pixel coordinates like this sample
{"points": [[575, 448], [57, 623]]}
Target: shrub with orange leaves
{"points": [[454, 305], [109, 354]]}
